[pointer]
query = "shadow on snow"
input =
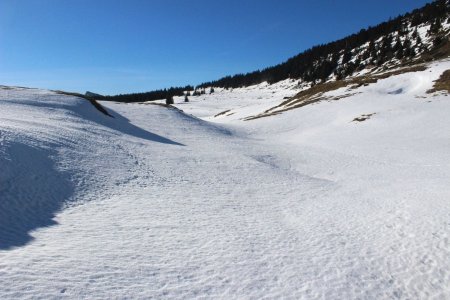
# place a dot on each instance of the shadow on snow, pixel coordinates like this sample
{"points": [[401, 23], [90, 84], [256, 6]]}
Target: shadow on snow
{"points": [[33, 190]]}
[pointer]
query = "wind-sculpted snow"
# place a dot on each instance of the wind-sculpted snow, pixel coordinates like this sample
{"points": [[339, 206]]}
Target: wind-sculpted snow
{"points": [[307, 204], [42, 136], [32, 190]]}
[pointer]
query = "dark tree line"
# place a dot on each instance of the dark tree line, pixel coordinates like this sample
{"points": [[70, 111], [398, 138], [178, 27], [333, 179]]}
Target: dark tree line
{"points": [[149, 96]]}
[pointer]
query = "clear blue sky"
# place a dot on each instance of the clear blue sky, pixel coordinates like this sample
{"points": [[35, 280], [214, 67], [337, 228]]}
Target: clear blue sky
{"points": [[120, 46]]}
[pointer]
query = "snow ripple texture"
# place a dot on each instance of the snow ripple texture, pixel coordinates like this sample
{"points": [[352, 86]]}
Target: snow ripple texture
{"points": [[154, 203]]}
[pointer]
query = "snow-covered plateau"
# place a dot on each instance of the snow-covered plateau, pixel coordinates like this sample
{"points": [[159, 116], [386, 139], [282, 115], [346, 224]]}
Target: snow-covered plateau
{"points": [[344, 198]]}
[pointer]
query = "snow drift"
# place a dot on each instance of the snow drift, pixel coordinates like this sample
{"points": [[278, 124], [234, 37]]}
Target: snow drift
{"points": [[50, 148]]}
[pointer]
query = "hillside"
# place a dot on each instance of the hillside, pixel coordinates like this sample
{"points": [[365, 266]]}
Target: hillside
{"points": [[413, 38], [345, 197], [418, 36]]}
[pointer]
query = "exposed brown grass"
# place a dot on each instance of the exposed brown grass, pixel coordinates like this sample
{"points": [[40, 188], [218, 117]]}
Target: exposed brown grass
{"points": [[317, 92], [441, 84], [440, 52], [222, 113], [363, 118]]}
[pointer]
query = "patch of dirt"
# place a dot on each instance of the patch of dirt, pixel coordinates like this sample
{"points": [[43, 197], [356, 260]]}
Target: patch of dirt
{"points": [[222, 113], [363, 118], [441, 84]]}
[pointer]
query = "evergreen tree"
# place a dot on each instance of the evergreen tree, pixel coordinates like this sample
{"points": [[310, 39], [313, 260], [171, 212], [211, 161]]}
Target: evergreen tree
{"points": [[418, 40], [437, 41], [398, 45], [402, 30], [386, 43], [400, 53], [408, 51], [347, 56], [435, 26], [372, 50], [169, 100]]}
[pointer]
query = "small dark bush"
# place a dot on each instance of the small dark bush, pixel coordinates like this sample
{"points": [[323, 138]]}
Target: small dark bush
{"points": [[169, 100]]}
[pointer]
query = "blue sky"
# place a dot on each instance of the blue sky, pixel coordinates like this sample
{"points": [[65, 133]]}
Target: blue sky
{"points": [[121, 46]]}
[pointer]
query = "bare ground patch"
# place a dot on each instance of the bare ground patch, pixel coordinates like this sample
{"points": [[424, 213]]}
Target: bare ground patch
{"points": [[363, 118], [442, 83], [317, 93], [222, 113]]}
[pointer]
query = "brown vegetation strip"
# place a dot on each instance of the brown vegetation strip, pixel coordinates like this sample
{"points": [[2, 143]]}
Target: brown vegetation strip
{"points": [[441, 84], [222, 113], [362, 118], [316, 92]]}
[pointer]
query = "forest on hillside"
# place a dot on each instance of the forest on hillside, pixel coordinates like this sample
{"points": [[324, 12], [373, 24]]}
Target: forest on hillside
{"points": [[319, 62]]}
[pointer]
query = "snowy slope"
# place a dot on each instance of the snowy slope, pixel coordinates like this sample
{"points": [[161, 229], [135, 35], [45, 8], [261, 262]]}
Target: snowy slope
{"points": [[155, 203]]}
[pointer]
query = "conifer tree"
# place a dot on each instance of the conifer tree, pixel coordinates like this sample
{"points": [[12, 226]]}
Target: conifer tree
{"points": [[372, 50], [418, 40], [398, 45], [435, 26], [400, 53], [169, 100], [408, 51], [347, 56]]}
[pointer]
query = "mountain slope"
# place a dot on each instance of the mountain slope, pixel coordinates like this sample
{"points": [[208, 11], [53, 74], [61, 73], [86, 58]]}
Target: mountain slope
{"points": [[413, 38], [420, 35]]}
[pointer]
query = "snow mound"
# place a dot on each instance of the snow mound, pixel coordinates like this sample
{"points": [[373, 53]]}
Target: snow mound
{"points": [[50, 147]]}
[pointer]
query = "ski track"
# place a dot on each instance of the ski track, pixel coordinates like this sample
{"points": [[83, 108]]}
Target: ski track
{"points": [[158, 204]]}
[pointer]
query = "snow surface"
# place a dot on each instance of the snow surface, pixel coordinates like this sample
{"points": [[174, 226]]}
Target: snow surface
{"points": [[156, 203]]}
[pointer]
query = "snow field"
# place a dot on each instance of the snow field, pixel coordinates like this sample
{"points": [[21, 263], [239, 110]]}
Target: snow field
{"points": [[154, 203]]}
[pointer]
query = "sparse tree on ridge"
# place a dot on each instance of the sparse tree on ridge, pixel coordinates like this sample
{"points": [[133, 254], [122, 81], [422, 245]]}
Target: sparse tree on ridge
{"points": [[169, 100]]}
